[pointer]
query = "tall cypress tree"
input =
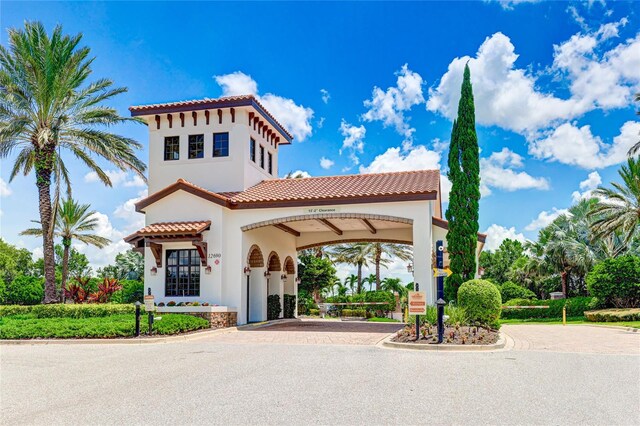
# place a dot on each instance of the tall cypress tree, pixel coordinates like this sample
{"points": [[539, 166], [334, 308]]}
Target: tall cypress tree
{"points": [[464, 198]]}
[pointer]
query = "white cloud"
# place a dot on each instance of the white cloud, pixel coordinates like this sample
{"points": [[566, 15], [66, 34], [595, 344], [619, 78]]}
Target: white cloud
{"points": [[237, 83], [326, 163], [507, 96], [587, 186], [504, 95], [417, 158], [569, 144], [325, 95], [299, 174], [127, 212], [496, 234], [320, 122], [117, 177], [545, 218], [353, 140], [295, 118], [390, 106], [5, 190], [497, 171]]}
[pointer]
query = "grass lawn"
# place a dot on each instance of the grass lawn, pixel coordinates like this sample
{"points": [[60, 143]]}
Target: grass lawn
{"points": [[382, 320], [29, 327], [570, 320]]}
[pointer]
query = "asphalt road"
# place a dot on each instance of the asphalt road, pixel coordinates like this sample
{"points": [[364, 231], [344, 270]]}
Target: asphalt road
{"points": [[210, 382]]}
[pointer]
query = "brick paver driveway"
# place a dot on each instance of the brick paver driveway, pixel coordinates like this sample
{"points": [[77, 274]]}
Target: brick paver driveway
{"points": [[305, 332], [573, 338]]}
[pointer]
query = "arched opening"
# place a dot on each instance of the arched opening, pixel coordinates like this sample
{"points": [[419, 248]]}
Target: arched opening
{"points": [[289, 282], [254, 293], [274, 282]]}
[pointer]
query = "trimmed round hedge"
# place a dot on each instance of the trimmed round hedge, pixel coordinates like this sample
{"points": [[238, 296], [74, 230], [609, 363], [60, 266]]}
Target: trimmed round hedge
{"points": [[616, 282], [510, 290], [481, 301]]}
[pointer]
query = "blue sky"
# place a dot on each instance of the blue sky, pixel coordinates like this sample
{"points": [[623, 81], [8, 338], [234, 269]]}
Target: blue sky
{"points": [[372, 87]]}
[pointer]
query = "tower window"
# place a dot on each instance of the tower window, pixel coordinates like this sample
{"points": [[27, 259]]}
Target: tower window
{"points": [[221, 144], [262, 156], [171, 148], [270, 163], [252, 149], [196, 146]]}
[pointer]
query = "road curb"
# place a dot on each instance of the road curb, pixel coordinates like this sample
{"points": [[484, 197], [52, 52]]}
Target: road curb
{"points": [[500, 344], [615, 327]]}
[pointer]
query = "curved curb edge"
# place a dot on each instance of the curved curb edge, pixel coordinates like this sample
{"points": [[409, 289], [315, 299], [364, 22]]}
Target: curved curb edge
{"points": [[499, 345]]}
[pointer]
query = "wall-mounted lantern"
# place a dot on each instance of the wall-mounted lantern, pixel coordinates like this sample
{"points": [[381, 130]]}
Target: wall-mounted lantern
{"points": [[207, 269], [410, 268], [153, 270], [267, 274], [298, 280], [283, 277], [247, 270]]}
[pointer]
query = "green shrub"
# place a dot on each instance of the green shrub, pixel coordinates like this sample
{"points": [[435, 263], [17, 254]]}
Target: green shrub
{"points": [[456, 315], [616, 282], [575, 308], [132, 291], [314, 312], [92, 327], [510, 290], [359, 313], [59, 310], [273, 307], [3, 292], [289, 306], [25, 290], [451, 287], [481, 301], [613, 315]]}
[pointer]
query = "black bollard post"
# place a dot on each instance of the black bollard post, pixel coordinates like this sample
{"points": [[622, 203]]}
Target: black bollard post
{"points": [[137, 319], [150, 322], [440, 303], [440, 288]]}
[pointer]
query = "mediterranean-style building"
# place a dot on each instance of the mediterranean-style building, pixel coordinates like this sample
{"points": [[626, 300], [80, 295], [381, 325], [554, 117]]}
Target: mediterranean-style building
{"points": [[222, 228]]}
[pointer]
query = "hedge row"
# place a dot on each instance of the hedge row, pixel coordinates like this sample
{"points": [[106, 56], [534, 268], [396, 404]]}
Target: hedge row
{"points": [[60, 310], [613, 315], [576, 306]]}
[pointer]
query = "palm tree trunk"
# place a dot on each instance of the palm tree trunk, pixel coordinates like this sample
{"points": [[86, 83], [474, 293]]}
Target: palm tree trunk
{"points": [[44, 166], [65, 266], [564, 283], [359, 278], [378, 257]]}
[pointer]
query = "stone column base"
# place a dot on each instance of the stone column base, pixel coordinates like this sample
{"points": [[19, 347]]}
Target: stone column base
{"points": [[218, 319]]}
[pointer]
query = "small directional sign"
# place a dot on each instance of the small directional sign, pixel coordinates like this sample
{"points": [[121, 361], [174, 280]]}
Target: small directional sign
{"points": [[438, 272]]}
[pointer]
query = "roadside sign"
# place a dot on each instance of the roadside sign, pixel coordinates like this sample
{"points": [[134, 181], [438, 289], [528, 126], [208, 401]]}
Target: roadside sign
{"points": [[149, 303], [417, 303], [440, 272]]}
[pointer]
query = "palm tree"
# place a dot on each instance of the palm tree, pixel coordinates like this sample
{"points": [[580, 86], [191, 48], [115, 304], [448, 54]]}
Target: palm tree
{"points": [[618, 209], [635, 148], [350, 282], [357, 254], [47, 106], [370, 280], [73, 221], [384, 252], [395, 285]]}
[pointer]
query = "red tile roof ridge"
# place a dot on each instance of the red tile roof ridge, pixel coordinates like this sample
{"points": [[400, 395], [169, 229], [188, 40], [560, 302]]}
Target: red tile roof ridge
{"points": [[353, 175]]}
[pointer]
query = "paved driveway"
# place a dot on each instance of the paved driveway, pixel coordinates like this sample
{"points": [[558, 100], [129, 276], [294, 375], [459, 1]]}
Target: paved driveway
{"points": [[306, 332], [573, 338], [212, 380]]}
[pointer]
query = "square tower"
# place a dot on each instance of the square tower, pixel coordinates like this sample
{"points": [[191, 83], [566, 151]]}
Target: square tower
{"points": [[222, 145]]}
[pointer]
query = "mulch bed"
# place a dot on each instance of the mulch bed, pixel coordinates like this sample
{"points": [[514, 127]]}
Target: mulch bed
{"points": [[454, 335]]}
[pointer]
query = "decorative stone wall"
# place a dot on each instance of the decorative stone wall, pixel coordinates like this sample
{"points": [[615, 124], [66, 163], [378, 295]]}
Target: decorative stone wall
{"points": [[218, 319]]}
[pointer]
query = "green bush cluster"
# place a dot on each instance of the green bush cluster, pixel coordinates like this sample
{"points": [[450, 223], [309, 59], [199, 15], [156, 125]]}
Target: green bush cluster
{"points": [[510, 290], [358, 313], [456, 315], [386, 297], [481, 301], [576, 306], [30, 327], [60, 310], [314, 312], [613, 315], [289, 306], [132, 291], [24, 290], [273, 307], [616, 282]]}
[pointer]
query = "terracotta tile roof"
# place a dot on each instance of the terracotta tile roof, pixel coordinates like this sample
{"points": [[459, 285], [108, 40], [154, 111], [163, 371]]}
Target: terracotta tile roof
{"points": [[226, 101], [418, 182], [170, 228], [349, 189]]}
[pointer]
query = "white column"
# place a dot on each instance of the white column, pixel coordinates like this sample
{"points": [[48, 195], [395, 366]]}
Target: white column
{"points": [[281, 294], [423, 274]]}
